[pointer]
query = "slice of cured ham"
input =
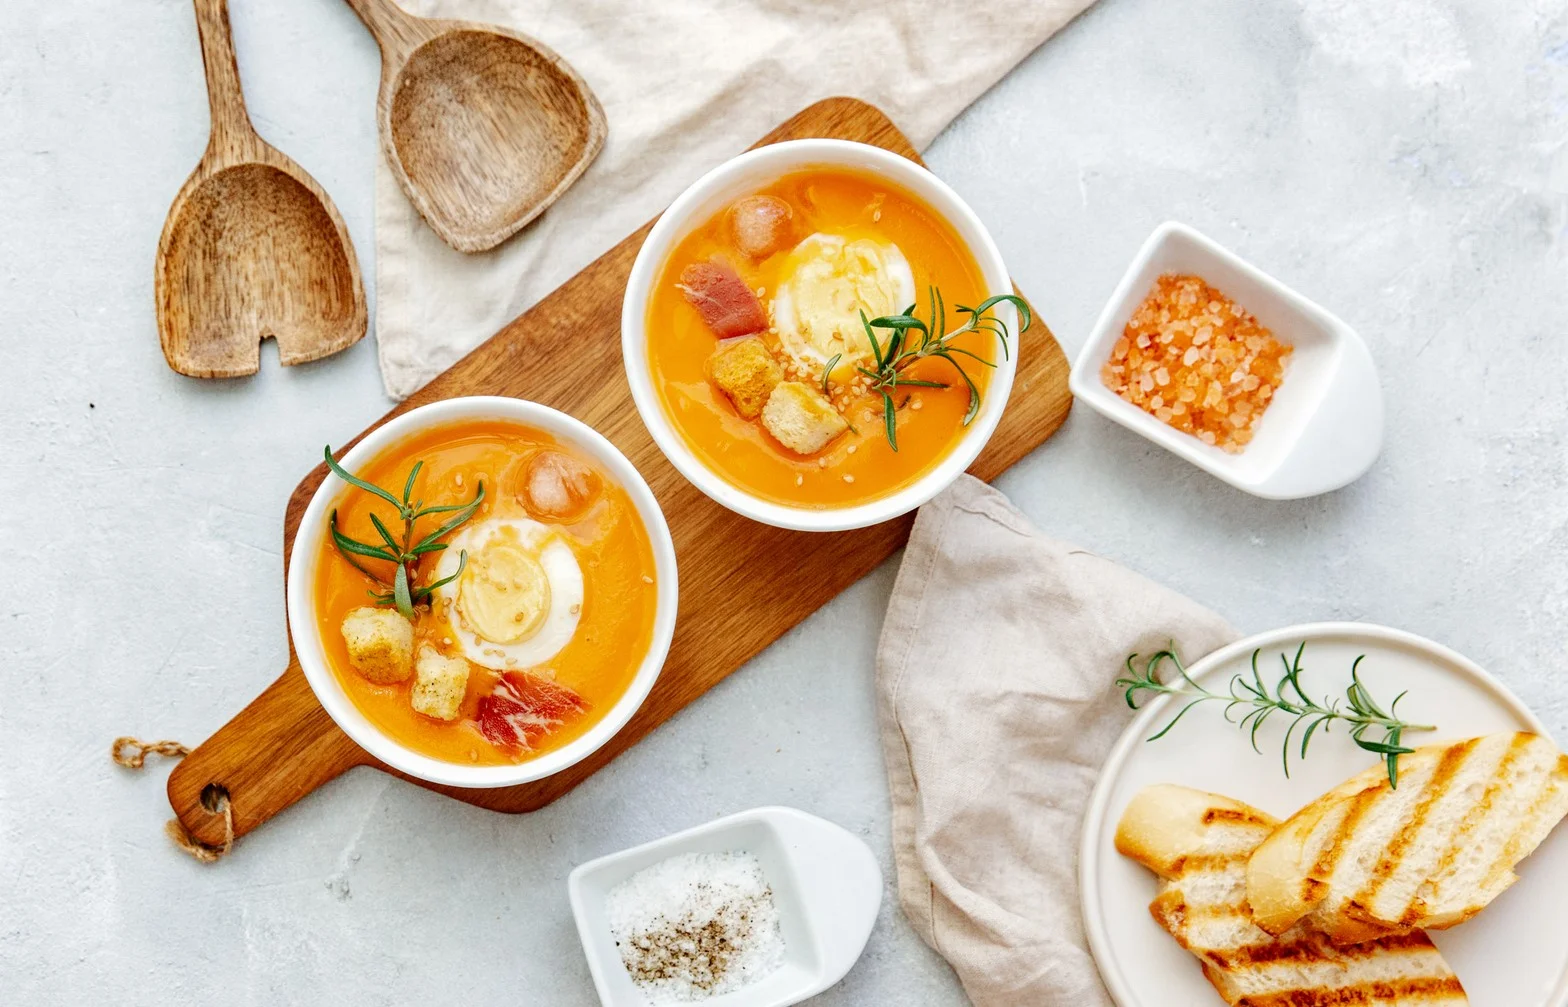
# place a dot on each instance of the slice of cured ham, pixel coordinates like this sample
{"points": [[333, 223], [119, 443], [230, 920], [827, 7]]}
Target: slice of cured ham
{"points": [[523, 708], [722, 298]]}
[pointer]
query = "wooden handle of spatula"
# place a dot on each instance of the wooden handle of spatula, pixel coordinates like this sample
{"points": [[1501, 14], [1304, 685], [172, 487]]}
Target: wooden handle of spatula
{"points": [[231, 126], [278, 749], [397, 32]]}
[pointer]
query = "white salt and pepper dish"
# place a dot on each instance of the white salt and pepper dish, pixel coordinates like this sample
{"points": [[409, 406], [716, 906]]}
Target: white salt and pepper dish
{"points": [[1324, 427], [826, 886]]}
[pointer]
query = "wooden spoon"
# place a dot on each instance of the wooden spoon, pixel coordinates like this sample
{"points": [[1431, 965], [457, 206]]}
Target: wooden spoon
{"points": [[483, 127], [252, 248]]}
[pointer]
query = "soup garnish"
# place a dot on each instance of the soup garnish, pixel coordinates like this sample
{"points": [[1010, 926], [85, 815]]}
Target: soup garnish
{"points": [[405, 553], [902, 350]]}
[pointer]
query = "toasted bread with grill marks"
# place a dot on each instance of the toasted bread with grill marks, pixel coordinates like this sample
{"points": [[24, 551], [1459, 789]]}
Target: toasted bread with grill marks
{"points": [[1369, 859], [1199, 844]]}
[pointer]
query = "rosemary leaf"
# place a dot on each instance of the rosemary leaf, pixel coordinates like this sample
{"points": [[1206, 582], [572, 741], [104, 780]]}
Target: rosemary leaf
{"points": [[346, 546], [408, 487], [827, 373], [343, 474], [974, 393], [462, 515], [890, 418], [386, 536], [356, 547], [462, 563], [400, 595]]}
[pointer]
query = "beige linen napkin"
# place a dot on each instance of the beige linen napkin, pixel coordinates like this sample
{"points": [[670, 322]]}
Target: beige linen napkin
{"points": [[684, 86], [997, 708]]}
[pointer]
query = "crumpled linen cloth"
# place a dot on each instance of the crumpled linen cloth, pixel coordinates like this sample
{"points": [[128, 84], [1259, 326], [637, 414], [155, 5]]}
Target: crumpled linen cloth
{"points": [[995, 694], [685, 85]]}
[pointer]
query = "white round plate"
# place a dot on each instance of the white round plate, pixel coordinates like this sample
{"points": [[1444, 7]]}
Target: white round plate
{"points": [[1515, 954]]}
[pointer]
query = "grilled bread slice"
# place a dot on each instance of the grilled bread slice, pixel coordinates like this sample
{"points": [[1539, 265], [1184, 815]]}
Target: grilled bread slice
{"points": [[1199, 844], [1368, 859]]}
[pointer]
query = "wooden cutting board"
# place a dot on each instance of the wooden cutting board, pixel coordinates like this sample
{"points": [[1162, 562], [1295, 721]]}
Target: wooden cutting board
{"points": [[742, 584]]}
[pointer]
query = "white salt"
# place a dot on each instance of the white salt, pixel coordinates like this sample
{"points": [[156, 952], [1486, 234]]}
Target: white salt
{"points": [[696, 925]]}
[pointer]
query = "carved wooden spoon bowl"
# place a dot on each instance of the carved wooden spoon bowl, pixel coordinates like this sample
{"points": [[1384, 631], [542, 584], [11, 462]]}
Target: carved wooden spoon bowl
{"points": [[483, 127], [252, 247]]}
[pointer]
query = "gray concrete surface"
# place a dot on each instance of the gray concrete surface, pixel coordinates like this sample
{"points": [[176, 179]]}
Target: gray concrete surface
{"points": [[1403, 162]]}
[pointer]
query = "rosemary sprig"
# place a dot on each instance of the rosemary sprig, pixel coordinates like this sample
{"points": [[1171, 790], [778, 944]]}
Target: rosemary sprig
{"points": [[910, 339], [1260, 702], [402, 552]]}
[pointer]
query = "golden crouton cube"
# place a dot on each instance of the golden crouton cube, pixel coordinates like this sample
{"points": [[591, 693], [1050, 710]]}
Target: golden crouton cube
{"points": [[801, 419], [380, 644], [747, 373], [440, 683]]}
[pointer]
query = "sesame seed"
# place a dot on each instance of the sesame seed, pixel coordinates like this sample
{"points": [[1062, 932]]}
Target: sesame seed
{"points": [[849, 479], [799, 479], [852, 449]]}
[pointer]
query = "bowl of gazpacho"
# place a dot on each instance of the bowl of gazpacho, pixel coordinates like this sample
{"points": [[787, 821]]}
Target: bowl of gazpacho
{"points": [[820, 334], [482, 591]]}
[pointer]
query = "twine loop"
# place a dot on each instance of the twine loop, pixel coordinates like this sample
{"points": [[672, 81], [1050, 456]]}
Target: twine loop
{"points": [[138, 758], [132, 754]]}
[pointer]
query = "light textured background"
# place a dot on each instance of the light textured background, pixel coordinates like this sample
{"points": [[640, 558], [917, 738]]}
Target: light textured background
{"points": [[1403, 162]]}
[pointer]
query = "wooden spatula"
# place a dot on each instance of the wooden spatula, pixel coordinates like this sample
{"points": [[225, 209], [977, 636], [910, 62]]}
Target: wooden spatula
{"points": [[484, 127], [252, 248]]}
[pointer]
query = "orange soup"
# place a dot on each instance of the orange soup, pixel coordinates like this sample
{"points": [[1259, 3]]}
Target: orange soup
{"points": [[759, 354], [526, 605]]}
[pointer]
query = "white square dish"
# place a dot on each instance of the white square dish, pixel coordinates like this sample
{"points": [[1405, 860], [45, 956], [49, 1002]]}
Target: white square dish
{"points": [[1324, 427], [826, 884]]}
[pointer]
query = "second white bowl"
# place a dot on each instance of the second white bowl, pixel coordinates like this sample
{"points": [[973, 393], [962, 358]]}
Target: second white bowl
{"points": [[826, 884], [741, 176], [307, 552]]}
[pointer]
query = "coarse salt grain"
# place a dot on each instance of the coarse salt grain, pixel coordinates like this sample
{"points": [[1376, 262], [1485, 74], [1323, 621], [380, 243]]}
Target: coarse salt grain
{"points": [[696, 925], [1215, 366]]}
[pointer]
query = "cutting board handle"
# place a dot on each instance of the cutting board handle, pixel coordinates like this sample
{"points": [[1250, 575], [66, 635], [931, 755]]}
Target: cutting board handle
{"points": [[280, 748]]}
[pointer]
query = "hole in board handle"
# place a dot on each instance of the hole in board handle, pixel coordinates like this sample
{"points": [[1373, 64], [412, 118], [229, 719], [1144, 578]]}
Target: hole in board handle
{"points": [[214, 797]]}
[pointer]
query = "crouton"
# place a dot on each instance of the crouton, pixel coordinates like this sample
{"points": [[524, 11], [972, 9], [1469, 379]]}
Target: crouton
{"points": [[802, 420], [380, 644], [747, 373], [440, 683]]}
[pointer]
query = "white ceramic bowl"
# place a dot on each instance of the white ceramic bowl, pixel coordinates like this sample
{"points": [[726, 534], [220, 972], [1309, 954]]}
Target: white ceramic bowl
{"points": [[826, 884], [742, 176], [307, 552], [1324, 427]]}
